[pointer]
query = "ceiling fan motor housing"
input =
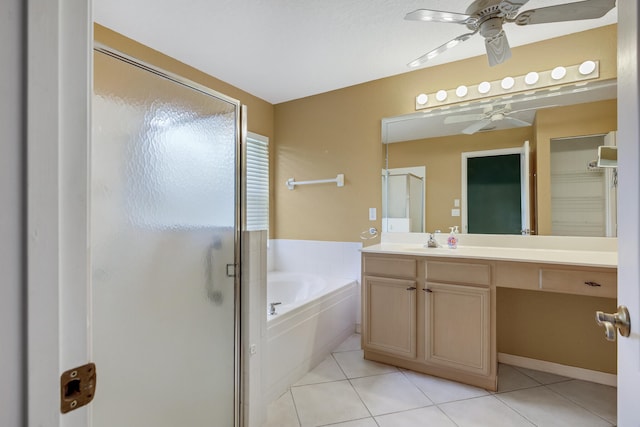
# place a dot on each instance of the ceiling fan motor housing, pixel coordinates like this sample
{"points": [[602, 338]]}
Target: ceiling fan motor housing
{"points": [[491, 27]]}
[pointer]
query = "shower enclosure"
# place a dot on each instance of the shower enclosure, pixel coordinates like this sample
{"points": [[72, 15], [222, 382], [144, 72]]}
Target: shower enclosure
{"points": [[164, 248], [403, 202]]}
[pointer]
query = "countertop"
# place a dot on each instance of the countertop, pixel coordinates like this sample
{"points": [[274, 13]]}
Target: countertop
{"points": [[587, 258]]}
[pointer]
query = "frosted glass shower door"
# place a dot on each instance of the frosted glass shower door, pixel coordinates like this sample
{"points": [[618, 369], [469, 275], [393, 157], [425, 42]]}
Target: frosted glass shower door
{"points": [[163, 231]]}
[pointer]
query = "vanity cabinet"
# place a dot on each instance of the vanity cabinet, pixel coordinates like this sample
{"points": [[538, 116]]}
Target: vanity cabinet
{"points": [[430, 316], [457, 323], [390, 316]]}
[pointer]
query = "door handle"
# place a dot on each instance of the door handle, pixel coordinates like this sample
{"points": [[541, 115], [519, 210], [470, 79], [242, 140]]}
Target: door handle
{"points": [[611, 322]]}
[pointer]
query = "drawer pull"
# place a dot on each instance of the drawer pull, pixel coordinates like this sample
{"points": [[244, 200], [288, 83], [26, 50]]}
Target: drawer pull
{"points": [[593, 284], [411, 288], [427, 290]]}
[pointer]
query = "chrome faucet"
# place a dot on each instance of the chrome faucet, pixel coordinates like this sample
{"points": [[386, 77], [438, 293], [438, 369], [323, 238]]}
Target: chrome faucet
{"points": [[272, 308]]}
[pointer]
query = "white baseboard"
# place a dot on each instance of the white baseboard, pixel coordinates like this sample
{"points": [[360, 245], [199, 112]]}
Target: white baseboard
{"points": [[558, 369]]}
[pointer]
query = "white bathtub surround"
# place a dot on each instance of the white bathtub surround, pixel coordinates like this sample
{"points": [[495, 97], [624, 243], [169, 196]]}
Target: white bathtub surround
{"points": [[307, 328], [303, 334], [335, 259], [254, 294]]}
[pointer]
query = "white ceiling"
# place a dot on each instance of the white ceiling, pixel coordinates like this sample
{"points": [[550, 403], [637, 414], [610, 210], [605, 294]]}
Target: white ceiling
{"points": [[281, 50]]}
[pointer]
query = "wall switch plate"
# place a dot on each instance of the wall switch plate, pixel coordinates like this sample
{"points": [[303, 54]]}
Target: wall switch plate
{"points": [[373, 214], [455, 212], [456, 203]]}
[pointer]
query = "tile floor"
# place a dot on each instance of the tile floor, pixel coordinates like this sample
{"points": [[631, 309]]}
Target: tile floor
{"points": [[346, 390]]}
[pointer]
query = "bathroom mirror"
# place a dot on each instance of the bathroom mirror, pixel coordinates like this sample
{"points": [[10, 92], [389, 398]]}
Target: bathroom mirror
{"points": [[436, 139]]}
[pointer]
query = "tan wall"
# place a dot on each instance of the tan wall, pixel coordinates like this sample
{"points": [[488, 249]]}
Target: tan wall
{"points": [[339, 132], [561, 122], [558, 328], [260, 113], [442, 158]]}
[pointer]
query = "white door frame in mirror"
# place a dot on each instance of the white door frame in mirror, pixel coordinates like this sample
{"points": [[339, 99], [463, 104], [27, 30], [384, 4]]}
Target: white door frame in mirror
{"points": [[524, 183]]}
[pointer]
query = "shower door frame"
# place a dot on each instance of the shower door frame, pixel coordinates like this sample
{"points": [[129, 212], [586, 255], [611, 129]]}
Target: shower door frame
{"points": [[240, 132], [58, 148]]}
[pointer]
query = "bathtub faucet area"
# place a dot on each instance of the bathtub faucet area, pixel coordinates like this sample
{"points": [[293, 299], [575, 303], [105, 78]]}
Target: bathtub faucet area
{"points": [[272, 308]]}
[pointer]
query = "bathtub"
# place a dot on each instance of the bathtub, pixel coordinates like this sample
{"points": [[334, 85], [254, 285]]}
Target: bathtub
{"points": [[315, 315]]}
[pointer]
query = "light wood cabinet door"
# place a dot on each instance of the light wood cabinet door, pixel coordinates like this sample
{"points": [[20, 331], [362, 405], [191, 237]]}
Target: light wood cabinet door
{"points": [[389, 316], [458, 327]]}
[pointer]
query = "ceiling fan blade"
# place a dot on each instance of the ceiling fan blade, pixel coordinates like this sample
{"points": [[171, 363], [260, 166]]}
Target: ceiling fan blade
{"points": [[475, 127], [464, 118], [439, 16], [511, 7], [437, 51], [517, 122], [588, 9], [498, 49]]}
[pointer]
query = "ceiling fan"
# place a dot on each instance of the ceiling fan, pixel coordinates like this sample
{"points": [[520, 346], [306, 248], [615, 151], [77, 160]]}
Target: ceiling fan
{"points": [[488, 16], [491, 114]]}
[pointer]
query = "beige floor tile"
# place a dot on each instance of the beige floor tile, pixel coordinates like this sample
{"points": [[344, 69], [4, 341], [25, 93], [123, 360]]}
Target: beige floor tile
{"points": [[354, 365], [365, 422], [597, 398], [351, 343], [510, 379], [542, 377], [327, 403], [544, 408], [328, 370], [282, 412], [440, 390], [431, 416], [482, 412], [387, 393]]}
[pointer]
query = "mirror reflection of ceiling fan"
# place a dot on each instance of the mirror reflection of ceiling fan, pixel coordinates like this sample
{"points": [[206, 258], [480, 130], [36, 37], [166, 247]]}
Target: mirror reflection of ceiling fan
{"points": [[485, 120], [488, 16]]}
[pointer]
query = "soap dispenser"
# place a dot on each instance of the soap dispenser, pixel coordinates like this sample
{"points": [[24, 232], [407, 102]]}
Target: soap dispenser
{"points": [[452, 241]]}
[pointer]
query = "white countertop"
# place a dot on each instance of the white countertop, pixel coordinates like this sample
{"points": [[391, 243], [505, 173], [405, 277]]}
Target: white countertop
{"points": [[588, 258]]}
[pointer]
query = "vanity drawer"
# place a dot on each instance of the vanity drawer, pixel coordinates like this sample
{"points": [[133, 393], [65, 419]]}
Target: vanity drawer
{"points": [[597, 283], [389, 266], [518, 275], [458, 272]]}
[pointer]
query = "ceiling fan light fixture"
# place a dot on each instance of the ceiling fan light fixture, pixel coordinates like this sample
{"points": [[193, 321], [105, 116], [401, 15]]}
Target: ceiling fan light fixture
{"points": [[507, 83], [484, 87], [558, 73], [441, 95], [461, 91], [587, 67], [422, 99], [531, 78]]}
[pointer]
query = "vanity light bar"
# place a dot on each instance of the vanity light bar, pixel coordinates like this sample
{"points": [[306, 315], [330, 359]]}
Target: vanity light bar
{"points": [[559, 76]]}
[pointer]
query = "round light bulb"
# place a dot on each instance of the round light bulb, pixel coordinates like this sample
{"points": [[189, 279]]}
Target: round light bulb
{"points": [[461, 91], [587, 67], [558, 73], [484, 87], [422, 99], [531, 78], [507, 83], [441, 95]]}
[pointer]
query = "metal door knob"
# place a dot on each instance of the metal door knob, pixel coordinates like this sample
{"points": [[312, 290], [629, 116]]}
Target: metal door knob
{"points": [[611, 322]]}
